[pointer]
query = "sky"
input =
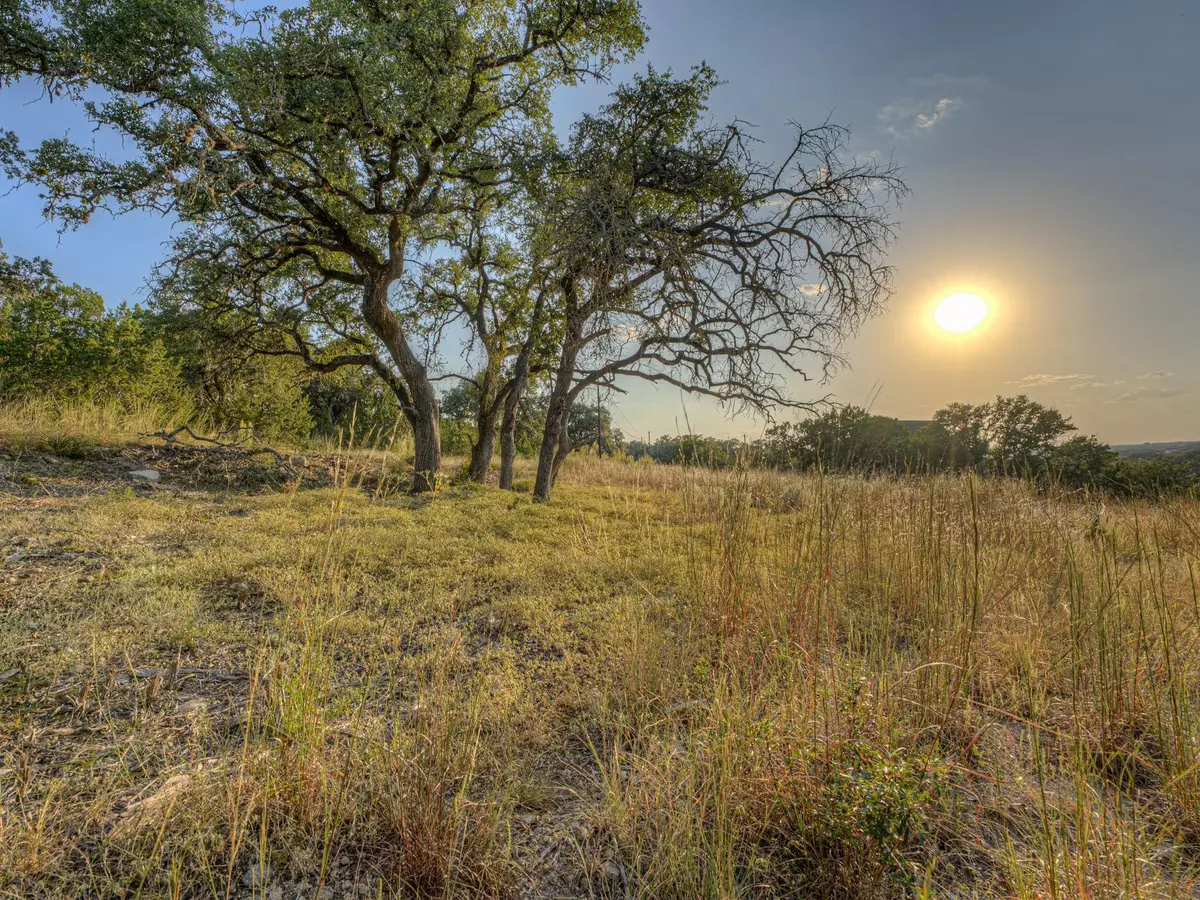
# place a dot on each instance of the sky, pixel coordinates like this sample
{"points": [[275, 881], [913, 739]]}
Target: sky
{"points": [[1050, 148]]}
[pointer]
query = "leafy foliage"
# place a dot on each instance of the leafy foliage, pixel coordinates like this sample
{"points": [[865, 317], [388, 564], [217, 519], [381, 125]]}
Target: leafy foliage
{"points": [[586, 421], [57, 340]]}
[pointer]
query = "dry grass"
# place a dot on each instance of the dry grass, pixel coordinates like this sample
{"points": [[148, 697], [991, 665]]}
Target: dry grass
{"points": [[69, 428], [668, 683]]}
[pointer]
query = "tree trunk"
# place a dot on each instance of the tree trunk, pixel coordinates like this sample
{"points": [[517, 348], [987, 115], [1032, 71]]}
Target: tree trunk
{"points": [[508, 429], [427, 441], [486, 416], [564, 445], [512, 400], [508, 449], [549, 448], [484, 446], [557, 413], [414, 389]]}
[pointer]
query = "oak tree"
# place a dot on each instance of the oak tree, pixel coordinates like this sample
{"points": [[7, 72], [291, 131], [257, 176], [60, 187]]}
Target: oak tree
{"points": [[315, 152], [682, 259]]}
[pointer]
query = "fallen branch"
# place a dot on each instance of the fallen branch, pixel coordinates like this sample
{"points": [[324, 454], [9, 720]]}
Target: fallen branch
{"points": [[171, 438]]}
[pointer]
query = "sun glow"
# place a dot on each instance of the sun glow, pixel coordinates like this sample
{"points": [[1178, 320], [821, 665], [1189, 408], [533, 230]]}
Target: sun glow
{"points": [[960, 312]]}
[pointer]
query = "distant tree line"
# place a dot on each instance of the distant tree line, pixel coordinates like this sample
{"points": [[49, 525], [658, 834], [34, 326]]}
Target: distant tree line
{"points": [[690, 449], [1011, 436]]}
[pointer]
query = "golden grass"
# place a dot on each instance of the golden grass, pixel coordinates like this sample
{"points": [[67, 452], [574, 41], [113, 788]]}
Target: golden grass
{"points": [[667, 683], [70, 427]]}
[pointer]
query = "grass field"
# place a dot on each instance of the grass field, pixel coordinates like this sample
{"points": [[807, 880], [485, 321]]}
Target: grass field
{"points": [[668, 683]]}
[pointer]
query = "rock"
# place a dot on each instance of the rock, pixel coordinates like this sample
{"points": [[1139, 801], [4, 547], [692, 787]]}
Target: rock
{"points": [[256, 876], [146, 475], [144, 811], [614, 874], [195, 706]]}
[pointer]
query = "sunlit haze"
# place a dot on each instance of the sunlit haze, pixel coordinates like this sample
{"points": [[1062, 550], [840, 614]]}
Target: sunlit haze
{"points": [[961, 312]]}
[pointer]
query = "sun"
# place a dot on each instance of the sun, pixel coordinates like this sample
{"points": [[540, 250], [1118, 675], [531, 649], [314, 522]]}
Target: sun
{"points": [[960, 312]]}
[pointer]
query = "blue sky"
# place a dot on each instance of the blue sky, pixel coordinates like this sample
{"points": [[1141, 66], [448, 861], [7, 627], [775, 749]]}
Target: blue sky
{"points": [[1050, 147]]}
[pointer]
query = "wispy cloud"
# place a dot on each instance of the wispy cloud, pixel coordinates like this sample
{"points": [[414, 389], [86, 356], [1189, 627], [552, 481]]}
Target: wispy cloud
{"points": [[1096, 384], [1156, 375], [909, 117], [1043, 379], [941, 109], [811, 290], [926, 102], [1148, 394]]}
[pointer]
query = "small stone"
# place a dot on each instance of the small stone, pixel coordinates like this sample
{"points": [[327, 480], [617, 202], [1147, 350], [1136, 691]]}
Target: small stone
{"points": [[146, 475], [147, 808], [274, 892], [614, 874], [256, 876], [193, 707]]}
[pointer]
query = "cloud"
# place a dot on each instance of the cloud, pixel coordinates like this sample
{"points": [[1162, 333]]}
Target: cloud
{"points": [[1043, 379], [941, 109], [1148, 394], [908, 117], [1096, 384], [811, 290], [1157, 374]]}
